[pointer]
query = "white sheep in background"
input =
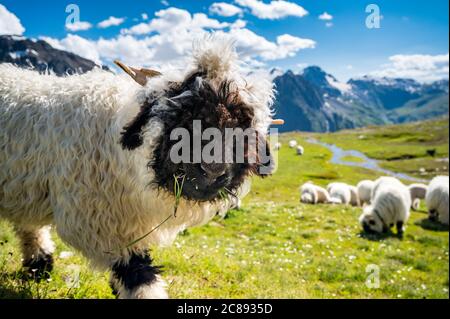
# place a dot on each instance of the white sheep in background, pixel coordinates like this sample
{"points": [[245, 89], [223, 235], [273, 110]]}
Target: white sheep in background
{"points": [[313, 194], [292, 143], [437, 199], [300, 150], [391, 203], [278, 146], [90, 154], [365, 188], [340, 193], [418, 191], [354, 198]]}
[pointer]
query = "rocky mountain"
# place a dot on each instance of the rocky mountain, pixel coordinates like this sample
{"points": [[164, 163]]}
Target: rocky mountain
{"points": [[316, 101], [311, 101], [41, 56]]}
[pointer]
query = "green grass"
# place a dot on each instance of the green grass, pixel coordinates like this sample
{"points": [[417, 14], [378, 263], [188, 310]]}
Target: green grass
{"points": [[276, 247], [403, 148], [353, 159]]}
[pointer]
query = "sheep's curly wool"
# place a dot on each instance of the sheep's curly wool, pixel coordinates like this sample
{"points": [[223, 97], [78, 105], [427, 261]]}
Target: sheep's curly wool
{"points": [[313, 194], [390, 206], [437, 199], [418, 191], [340, 193], [62, 162], [364, 188]]}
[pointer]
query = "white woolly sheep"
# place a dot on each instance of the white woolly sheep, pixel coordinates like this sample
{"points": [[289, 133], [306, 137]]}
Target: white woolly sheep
{"points": [[364, 188], [313, 194], [278, 146], [437, 199], [354, 199], [292, 143], [340, 193], [417, 191], [90, 154], [300, 150], [391, 203], [383, 180]]}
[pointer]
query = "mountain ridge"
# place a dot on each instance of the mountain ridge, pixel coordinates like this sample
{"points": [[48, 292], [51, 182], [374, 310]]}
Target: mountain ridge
{"points": [[311, 101], [316, 101]]}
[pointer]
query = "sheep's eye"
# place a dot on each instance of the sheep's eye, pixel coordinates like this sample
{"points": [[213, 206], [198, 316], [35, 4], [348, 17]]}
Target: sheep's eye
{"points": [[372, 222]]}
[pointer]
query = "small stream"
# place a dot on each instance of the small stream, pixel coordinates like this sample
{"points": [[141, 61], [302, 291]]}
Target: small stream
{"points": [[366, 162]]}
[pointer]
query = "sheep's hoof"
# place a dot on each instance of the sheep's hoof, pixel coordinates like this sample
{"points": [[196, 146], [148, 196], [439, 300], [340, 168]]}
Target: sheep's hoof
{"points": [[39, 268]]}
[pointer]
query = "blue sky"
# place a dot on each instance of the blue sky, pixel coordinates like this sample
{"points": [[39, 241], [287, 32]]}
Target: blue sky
{"points": [[412, 39]]}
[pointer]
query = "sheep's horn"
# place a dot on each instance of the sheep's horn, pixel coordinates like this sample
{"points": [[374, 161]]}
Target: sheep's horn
{"points": [[140, 76], [278, 122]]}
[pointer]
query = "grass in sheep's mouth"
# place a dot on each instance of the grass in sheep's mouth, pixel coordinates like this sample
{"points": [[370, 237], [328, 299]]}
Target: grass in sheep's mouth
{"points": [[229, 192], [177, 190], [223, 194]]}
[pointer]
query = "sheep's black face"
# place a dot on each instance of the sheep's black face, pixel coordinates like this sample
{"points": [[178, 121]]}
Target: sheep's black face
{"points": [[188, 111], [371, 223]]}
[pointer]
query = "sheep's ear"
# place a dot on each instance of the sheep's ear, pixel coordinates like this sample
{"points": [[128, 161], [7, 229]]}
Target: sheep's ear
{"points": [[140, 76]]}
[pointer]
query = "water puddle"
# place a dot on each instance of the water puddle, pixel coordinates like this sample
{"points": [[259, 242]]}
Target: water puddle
{"points": [[366, 162]]}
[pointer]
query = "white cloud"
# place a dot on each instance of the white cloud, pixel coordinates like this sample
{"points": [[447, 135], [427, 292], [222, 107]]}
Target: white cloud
{"points": [[111, 21], [251, 45], [9, 23], [168, 37], [225, 9], [326, 16], [76, 44], [165, 2], [172, 20], [127, 48], [78, 26], [329, 24], [421, 67], [144, 16], [238, 24], [274, 10]]}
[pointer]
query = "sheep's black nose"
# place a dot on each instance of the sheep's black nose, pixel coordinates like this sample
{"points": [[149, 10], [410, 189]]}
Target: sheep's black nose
{"points": [[214, 170]]}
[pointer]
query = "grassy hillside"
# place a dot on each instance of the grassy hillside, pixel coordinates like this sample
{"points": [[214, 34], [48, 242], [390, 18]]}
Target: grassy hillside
{"points": [[402, 148], [277, 247]]}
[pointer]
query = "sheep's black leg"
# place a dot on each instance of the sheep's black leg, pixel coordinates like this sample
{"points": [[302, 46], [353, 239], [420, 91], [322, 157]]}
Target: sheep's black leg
{"points": [[136, 278], [400, 228], [37, 249]]}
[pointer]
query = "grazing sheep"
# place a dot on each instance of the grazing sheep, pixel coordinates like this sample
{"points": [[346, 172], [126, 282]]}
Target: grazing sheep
{"points": [[91, 154], [313, 194], [418, 191], [390, 206], [437, 199], [364, 188], [300, 150], [278, 146], [354, 198], [383, 180], [292, 143], [340, 193]]}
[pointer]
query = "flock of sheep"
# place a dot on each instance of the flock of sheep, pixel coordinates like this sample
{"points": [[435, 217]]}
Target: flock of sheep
{"points": [[386, 201], [292, 144]]}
